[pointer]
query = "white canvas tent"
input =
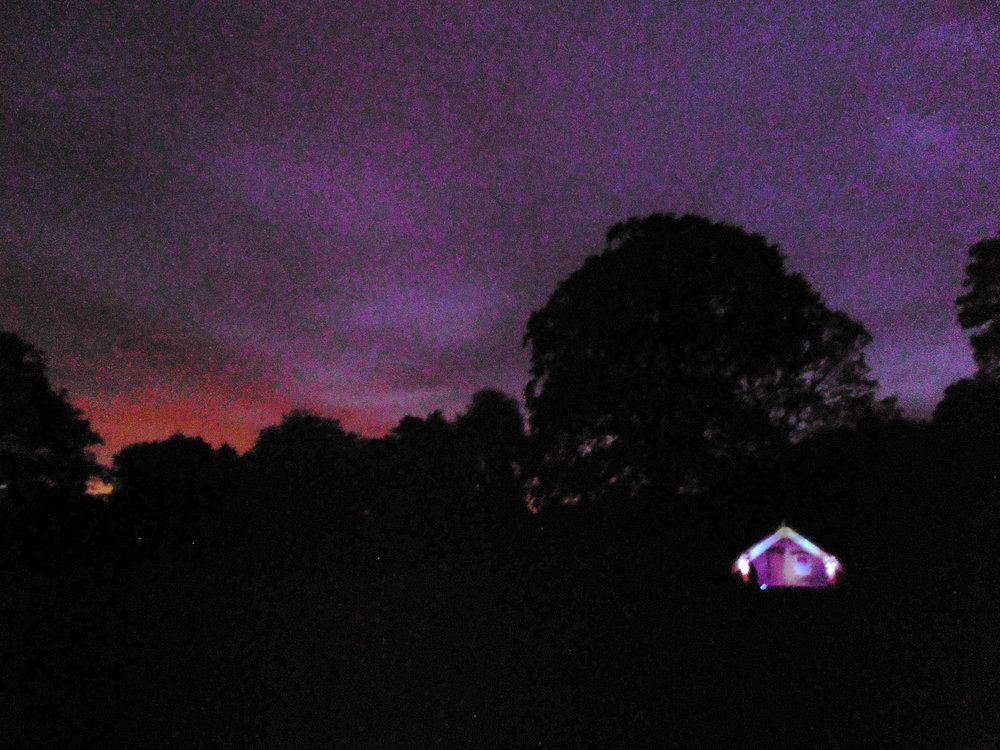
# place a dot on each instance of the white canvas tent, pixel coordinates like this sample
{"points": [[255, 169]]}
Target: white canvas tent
{"points": [[786, 558]]}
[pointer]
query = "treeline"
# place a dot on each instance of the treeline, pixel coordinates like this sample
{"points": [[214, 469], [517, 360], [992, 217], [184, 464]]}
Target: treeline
{"points": [[556, 581], [431, 486]]}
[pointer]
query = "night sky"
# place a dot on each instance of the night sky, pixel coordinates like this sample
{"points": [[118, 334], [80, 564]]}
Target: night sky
{"points": [[212, 214]]}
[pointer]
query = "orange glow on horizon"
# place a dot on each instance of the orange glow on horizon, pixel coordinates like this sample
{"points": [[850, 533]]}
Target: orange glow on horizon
{"points": [[218, 415]]}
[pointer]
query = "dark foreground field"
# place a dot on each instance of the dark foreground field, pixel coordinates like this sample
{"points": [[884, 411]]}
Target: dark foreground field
{"points": [[474, 650]]}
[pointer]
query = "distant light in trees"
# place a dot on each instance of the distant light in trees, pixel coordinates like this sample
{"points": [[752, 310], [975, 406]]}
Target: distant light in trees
{"points": [[98, 487]]}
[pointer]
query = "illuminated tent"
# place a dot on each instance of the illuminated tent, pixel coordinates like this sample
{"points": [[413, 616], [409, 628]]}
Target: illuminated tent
{"points": [[786, 558]]}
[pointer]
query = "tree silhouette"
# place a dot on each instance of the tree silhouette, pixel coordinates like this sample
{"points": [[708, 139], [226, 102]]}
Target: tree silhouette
{"points": [[423, 475], [494, 447], [968, 414], [968, 421], [491, 430], [44, 439], [443, 487], [682, 349], [167, 489], [970, 409], [979, 308], [307, 460]]}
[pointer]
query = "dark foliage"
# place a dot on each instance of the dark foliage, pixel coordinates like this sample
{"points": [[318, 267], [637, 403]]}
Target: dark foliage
{"points": [[979, 308], [309, 477], [45, 462], [44, 440], [494, 453], [171, 492], [420, 496], [445, 487], [969, 419], [308, 457], [491, 431], [680, 352]]}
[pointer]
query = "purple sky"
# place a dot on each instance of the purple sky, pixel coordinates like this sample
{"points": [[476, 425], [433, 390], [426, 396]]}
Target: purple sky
{"points": [[212, 214]]}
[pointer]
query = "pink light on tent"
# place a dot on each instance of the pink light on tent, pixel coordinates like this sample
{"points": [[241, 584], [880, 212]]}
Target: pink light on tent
{"points": [[832, 565]]}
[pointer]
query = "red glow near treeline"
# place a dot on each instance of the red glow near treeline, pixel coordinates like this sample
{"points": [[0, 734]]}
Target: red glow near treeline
{"points": [[218, 417]]}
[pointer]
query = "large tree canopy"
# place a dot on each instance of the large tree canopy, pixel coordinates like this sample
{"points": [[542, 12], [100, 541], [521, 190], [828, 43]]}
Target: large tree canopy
{"points": [[167, 488], [682, 348], [44, 439], [307, 457], [979, 308]]}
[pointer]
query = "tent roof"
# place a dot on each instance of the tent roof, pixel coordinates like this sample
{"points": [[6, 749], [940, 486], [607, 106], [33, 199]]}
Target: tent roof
{"points": [[784, 532]]}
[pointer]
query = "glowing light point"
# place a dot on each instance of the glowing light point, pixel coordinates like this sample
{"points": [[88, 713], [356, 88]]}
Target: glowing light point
{"points": [[763, 586], [95, 487]]}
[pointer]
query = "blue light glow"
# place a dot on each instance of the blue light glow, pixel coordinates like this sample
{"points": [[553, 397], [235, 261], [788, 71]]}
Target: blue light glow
{"points": [[763, 586]]}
